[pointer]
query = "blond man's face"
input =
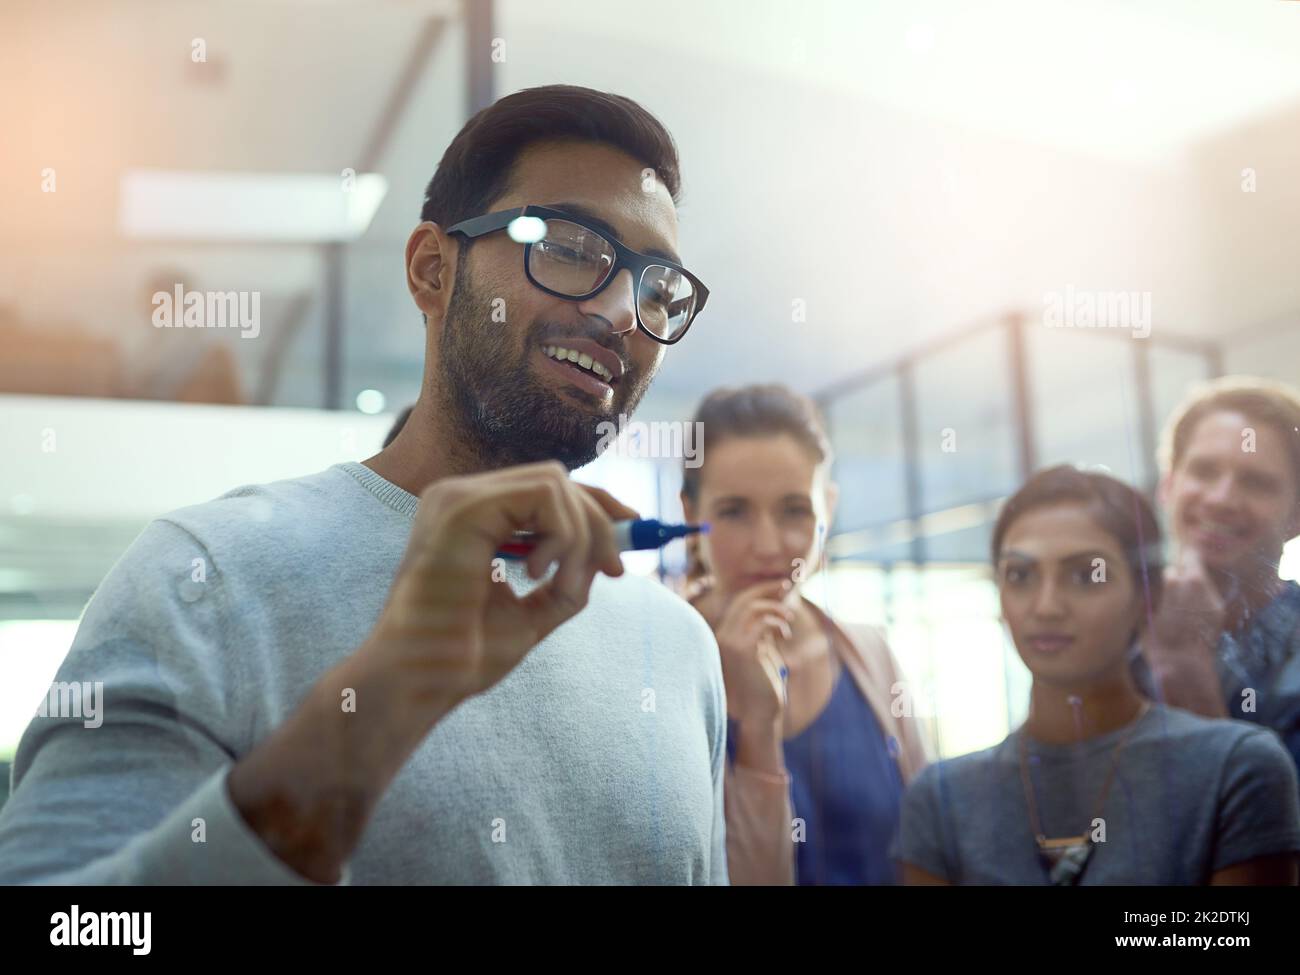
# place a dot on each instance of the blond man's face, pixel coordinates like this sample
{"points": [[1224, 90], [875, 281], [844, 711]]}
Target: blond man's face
{"points": [[1233, 495]]}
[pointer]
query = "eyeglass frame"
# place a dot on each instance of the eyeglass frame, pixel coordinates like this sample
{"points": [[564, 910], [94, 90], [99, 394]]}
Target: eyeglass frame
{"points": [[624, 257]]}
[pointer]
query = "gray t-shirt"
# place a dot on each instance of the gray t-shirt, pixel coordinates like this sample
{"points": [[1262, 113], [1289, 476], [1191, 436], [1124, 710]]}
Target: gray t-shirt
{"points": [[1191, 796]]}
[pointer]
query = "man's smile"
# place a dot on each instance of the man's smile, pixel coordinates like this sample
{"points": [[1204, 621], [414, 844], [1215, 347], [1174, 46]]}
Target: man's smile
{"points": [[579, 370]]}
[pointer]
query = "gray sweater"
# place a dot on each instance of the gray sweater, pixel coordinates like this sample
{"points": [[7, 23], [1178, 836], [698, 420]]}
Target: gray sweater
{"points": [[599, 759]]}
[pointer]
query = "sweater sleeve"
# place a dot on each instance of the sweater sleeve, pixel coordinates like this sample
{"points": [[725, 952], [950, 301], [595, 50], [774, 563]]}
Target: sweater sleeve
{"points": [[760, 849], [132, 789]]}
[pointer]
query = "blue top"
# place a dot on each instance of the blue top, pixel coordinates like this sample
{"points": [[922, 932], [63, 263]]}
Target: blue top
{"points": [[846, 788]]}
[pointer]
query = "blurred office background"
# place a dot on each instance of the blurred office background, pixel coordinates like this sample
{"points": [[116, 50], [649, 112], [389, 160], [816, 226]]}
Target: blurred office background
{"points": [[881, 196]]}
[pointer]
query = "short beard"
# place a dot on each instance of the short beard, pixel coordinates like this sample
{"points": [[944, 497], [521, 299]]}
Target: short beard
{"points": [[502, 412]]}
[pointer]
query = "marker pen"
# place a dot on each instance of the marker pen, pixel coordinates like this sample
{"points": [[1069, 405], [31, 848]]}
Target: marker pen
{"points": [[629, 536]]}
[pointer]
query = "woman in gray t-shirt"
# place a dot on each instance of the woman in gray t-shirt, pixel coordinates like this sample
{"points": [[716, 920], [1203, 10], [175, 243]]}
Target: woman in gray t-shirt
{"points": [[1100, 785]]}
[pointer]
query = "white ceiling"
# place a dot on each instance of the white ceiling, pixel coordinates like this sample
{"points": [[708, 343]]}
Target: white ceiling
{"points": [[903, 168]]}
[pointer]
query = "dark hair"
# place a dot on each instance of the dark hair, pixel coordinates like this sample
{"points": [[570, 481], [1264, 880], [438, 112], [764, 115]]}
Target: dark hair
{"points": [[760, 410], [1272, 404], [477, 166], [1120, 511]]}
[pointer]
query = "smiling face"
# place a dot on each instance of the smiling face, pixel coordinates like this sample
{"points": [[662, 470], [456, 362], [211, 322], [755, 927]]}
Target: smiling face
{"points": [[513, 402], [1235, 506], [764, 498], [1071, 617]]}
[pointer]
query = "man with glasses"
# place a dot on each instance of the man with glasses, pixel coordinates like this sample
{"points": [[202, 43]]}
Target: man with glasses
{"points": [[333, 678]]}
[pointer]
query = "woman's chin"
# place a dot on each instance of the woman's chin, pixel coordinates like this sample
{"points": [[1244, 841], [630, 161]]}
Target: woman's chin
{"points": [[1073, 676]]}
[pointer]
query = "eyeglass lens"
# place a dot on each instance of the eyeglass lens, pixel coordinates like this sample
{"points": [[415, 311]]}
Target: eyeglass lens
{"points": [[573, 260]]}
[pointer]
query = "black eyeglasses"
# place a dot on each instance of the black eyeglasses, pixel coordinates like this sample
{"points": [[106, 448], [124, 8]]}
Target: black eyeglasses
{"points": [[566, 257]]}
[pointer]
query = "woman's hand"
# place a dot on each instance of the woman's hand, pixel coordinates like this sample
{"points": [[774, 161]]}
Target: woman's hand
{"points": [[753, 625]]}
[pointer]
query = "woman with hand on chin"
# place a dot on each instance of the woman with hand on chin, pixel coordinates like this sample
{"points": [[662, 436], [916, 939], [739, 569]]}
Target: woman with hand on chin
{"points": [[1100, 785], [817, 760]]}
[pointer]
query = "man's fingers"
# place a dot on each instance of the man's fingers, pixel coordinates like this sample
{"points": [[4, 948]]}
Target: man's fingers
{"points": [[576, 569], [466, 519], [594, 510], [557, 537], [616, 509], [568, 590], [604, 550], [545, 608], [493, 505]]}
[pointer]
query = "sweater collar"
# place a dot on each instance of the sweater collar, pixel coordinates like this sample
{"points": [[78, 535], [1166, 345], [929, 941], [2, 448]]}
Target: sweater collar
{"points": [[385, 490]]}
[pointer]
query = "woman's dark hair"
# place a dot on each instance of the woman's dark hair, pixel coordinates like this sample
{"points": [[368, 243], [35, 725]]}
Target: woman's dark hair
{"points": [[476, 168], [1121, 511], [760, 410]]}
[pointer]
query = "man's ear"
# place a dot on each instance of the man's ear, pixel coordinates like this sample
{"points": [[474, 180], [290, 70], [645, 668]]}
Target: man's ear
{"points": [[431, 269], [688, 509]]}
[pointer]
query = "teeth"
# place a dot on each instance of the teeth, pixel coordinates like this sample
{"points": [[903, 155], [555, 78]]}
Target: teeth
{"points": [[581, 359]]}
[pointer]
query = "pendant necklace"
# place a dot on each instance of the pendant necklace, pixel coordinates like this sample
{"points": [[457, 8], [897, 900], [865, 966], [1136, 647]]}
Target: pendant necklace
{"points": [[1065, 857]]}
